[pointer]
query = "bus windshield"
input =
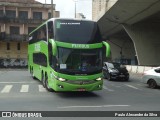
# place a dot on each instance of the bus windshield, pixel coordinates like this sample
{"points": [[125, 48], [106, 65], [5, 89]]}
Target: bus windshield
{"points": [[77, 31], [79, 61]]}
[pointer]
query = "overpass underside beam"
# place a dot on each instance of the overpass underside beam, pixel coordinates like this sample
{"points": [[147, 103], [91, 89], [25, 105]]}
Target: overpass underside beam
{"points": [[146, 39]]}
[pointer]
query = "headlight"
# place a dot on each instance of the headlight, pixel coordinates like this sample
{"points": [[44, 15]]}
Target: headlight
{"points": [[98, 79], [61, 79]]}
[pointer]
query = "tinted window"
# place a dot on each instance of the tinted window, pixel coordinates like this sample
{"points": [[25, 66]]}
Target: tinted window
{"points": [[37, 15], [49, 15], [18, 46], [50, 30], [40, 59], [38, 35], [8, 46], [1, 13], [14, 30], [52, 59], [23, 14], [74, 31], [79, 61], [11, 13]]}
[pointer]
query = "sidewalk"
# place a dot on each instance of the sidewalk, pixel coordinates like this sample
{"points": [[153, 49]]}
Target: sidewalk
{"points": [[13, 69], [135, 75]]}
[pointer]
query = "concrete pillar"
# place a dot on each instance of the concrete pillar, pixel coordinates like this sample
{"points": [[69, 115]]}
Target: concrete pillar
{"points": [[145, 37], [23, 29], [4, 27], [122, 48], [4, 10], [30, 13], [16, 12]]}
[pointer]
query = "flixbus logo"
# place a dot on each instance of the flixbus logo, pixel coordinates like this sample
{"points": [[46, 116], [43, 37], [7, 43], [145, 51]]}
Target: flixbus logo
{"points": [[80, 46], [37, 47]]}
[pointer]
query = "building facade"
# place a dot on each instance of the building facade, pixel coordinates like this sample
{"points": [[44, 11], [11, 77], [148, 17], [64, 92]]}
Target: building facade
{"points": [[17, 19], [99, 7]]}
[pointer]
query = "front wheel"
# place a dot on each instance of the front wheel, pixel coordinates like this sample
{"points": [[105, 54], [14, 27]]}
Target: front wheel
{"points": [[152, 84], [46, 84], [43, 80]]}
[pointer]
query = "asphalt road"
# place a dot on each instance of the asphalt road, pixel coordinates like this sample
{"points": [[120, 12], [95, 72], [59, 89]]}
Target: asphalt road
{"points": [[19, 92]]}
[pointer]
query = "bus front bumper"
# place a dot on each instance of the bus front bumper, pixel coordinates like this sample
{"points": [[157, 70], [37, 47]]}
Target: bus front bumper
{"points": [[64, 86]]}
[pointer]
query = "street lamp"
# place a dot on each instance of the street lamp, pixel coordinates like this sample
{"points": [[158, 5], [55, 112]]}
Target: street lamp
{"points": [[75, 7], [51, 8]]}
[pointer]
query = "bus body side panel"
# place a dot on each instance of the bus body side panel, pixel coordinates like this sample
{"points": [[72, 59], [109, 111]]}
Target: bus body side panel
{"points": [[39, 48]]}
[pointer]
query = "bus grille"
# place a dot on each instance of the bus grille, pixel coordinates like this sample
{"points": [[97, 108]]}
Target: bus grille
{"points": [[81, 82]]}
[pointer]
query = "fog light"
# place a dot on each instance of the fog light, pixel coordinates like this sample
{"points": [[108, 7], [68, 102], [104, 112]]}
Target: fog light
{"points": [[61, 79], [98, 79]]}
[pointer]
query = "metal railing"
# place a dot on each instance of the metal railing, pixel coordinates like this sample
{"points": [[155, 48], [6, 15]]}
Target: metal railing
{"points": [[14, 37], [4, 19]]}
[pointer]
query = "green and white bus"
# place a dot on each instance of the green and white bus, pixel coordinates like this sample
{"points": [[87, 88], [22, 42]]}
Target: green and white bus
{"points": [[66, 55]]}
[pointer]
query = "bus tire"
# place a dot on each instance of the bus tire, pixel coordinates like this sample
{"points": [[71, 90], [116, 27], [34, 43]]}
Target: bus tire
{"points": [[30, 69], [32, 73], [46, 84], [43, 80], [152, 84]]}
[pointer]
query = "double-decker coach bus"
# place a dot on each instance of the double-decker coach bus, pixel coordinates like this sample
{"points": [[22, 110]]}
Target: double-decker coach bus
{"points": [[66, 55]]}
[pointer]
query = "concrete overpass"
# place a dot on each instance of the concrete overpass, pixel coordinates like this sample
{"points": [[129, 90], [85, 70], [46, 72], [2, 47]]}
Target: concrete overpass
{"points": [[132, 27]]}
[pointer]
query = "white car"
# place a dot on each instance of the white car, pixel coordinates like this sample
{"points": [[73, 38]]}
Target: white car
{"points": [[152, 77]]}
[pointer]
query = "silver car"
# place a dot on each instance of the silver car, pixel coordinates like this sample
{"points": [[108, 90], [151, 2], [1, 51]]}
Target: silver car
{"points": [[152, 77]]}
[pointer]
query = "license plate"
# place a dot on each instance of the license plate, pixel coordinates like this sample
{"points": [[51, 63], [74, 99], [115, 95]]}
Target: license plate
{"points": [[121, 76], [81, 89]]}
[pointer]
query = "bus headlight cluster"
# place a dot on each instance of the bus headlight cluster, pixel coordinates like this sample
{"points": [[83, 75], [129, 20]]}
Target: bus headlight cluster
{"points": [[61, 79], [98, 79]]}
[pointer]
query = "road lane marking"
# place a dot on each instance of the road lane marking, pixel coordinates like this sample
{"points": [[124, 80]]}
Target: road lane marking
{"points": [[117, 86], [132, 87], [15, 82], [104, 87], [140, 85], [7, 89], [24, 88], [98, 106], [41, 88]]}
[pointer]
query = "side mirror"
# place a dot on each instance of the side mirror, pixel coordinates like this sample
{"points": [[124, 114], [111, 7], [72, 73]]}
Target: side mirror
{"points": [[54, 47], [108, 49]]}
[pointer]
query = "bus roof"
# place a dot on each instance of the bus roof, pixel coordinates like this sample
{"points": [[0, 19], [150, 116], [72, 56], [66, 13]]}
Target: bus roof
{"points": [[53, 19]]}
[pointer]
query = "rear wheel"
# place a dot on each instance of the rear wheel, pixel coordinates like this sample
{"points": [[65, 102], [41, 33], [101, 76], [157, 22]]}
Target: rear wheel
{"points": [[152, 84], [46, 84], [32, 73]]}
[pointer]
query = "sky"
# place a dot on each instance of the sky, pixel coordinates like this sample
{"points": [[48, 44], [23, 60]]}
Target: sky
{"points": [[67, 7]]}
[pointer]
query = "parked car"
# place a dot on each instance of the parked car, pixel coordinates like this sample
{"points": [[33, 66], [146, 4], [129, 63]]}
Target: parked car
{"points": [[152, 77], [115, 71]]}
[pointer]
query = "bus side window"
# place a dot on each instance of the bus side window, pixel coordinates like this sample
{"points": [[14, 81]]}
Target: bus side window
{"points": [[50, 30], [50, 54], [52, 59], [42, 33], [35, 36]]}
